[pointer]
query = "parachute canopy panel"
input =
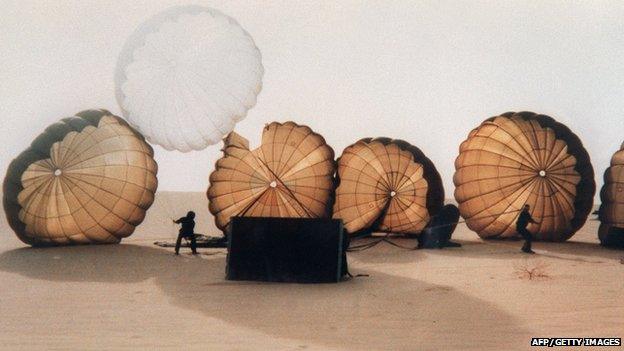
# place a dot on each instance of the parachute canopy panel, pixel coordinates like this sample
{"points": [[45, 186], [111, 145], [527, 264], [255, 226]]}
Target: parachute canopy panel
{"points": [[289, 175], [186, 76], [524, 158], [612, 198], [386, 185], [86, 179]]}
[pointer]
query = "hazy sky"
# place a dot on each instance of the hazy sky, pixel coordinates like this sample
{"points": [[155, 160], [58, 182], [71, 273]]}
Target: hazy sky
{"points": [[423, 71]]}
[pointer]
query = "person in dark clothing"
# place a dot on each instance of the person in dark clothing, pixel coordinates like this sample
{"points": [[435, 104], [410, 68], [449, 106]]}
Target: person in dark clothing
{"points": [[524, 218], [186, 231]]}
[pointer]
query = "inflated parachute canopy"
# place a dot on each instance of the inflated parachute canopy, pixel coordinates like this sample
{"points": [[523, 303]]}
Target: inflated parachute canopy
{"points": [[186, 76], [611, 232], [524, 158], [289, 175], [386, 185], [86, 179]]}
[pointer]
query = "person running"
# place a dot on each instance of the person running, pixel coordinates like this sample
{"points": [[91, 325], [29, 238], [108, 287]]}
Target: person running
{"points": [[186, 231], [521, 227]]}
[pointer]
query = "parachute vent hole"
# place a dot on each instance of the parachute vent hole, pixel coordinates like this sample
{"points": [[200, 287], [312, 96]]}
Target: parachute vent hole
{"points": [[58, 172], [542, 173], [273, 184]]}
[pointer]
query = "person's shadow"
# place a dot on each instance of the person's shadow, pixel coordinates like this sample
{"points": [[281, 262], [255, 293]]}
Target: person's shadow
{"points": [[401, 313]]}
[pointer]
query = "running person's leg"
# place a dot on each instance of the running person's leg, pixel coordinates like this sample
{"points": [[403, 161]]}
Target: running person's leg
{"points": [[193, 244], [529, 241], [178, 244], [526, 235]]}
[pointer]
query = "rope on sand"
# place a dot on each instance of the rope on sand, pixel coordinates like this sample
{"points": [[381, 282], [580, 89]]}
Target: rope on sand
{"points": [[386, 238]]}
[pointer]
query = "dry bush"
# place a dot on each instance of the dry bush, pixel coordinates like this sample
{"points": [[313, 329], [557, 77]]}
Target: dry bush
{"points": [[531, 270]]}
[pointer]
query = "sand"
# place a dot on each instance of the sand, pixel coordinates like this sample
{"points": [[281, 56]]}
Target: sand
{"points": [[138, 296]]}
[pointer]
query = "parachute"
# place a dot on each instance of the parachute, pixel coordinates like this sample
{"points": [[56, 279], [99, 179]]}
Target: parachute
{"points": [[86, 179], [186, 76], [611, 232], [289, 175], [524, 158], [386, 185]]}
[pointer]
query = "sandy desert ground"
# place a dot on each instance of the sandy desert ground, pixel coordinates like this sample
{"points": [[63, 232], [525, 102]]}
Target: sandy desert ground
{"points": [[139, 296]]}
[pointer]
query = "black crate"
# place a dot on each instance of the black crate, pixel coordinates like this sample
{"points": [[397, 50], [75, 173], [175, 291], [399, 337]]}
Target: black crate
{"points": [[302, 250]]}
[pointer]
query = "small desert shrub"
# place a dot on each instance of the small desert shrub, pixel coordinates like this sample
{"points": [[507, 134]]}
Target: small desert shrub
{"points": [[531, 270]]}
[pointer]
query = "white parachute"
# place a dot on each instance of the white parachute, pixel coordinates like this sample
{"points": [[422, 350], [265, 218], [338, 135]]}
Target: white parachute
{"points": [[186, 76]]}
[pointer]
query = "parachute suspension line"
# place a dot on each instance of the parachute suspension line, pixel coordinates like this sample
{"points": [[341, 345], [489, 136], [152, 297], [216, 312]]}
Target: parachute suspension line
{"points": [[365, 246], [386, 238], [368, 245]]}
